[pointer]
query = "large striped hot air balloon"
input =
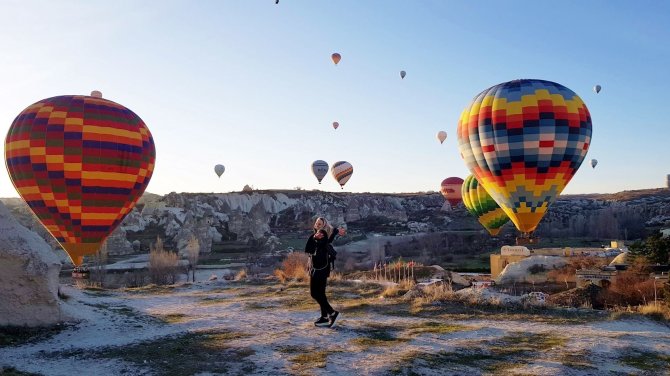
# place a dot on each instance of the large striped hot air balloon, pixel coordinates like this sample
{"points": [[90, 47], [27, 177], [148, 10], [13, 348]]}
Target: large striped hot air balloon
{"points": [[480, 204], [342, 172], [451, 190], [80, 163], [524, 140]]}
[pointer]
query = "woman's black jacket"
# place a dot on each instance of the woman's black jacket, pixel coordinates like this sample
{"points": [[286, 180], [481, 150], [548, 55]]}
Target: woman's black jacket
{"points": [[318, 250]]}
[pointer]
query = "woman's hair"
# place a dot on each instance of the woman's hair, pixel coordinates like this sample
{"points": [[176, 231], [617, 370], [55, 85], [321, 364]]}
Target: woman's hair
{"points": [[326, 225]]}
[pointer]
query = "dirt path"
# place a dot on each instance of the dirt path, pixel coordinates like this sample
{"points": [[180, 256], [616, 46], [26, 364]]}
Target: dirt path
{"points": [[240, 328]]}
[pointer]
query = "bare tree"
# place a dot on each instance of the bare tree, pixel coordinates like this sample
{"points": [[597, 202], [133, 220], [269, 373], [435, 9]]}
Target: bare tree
{"points": [[99, 270], [163, 265], [192, 254]]}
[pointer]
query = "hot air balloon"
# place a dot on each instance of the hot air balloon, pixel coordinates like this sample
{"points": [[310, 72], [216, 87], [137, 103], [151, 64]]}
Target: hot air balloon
{"points": [[402, 74], [441, 136], [219, 169], [524, 140], [319, 169], [480, 204], [597, 89], [451, 190], [336, 58], [96, 94], [335, 125], [342, 171], [80, 163], [594, 163]]}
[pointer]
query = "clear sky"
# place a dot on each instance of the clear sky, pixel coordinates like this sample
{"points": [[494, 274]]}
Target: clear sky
{"points": [[250, 84]]}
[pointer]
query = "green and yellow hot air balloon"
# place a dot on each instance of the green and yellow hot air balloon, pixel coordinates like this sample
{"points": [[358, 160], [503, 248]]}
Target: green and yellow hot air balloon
{"points": [[480, 204]]}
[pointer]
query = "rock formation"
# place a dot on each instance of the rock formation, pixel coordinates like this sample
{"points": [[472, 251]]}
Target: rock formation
{"points": [[28, 276]]}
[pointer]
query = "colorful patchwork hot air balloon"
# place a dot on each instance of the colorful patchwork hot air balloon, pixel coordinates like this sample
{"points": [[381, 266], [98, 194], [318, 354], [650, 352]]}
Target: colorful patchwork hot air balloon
{"points": [[336, 58], [342, 171], [319, 169], [524, 140], [80, 163], [451, 190], [219, 170], [480, 204]]}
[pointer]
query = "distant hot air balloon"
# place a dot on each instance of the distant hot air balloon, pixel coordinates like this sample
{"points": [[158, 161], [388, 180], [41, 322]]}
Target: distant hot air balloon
{"points": [[336, 124], [80, 163], [336, 58], [594, 162], [342, 171], [96, 94], [480, 204], [402, 74], [441, 136], [597, 89], [451, 190], [219, 169], [319, 169], [524, 140]]}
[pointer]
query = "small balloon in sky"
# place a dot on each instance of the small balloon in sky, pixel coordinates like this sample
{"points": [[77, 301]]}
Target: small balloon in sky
{"points": [[319, 169], [336, 58], [335, 125], [441, 136], [451, 190], [219, 169], [594, 163], [402, 74], [597, 88], [96, 94], [342, 172]]}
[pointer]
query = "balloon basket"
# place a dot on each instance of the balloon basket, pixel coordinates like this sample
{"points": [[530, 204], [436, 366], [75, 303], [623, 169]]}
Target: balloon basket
{"points": [[81, 273], [526, 240]]}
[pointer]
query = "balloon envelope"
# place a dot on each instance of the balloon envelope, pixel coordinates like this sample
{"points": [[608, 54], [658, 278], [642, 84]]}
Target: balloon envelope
{"points": [[336, 124], [319, 169], [594, 162], [524, 140], [219, 169], [441, 136], [342, 172], [402, 74], [597, 89], [336, 58], [451, 190], [480, 204], [80, 163]]}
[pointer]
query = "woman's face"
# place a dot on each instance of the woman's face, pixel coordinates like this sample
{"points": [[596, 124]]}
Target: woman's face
{"points": [[318, 225]]}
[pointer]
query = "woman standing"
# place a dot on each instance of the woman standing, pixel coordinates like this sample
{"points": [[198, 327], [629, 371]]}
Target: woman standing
{"points": [[317, 248]]}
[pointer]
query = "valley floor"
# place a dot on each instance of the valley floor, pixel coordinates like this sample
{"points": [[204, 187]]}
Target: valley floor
{"points": [[266, 328]]}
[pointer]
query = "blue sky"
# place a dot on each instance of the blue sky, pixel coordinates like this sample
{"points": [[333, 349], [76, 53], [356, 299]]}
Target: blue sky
{"points": [[250, 84]]}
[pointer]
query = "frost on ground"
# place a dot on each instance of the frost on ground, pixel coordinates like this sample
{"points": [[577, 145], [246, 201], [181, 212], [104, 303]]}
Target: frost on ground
{"points": [[241, 328]]}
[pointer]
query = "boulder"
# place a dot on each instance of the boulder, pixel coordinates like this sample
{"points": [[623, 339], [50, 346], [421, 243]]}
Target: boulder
{"points": [[28, 276], [532, 269]]}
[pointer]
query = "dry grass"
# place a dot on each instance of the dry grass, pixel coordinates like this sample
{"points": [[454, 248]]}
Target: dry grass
{"points": [[241, 275], [398, 289], [293, 268], [163, 265]]}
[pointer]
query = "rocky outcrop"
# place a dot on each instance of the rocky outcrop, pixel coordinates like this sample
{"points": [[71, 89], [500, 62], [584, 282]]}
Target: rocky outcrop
{"points": [[28, 276], [532, 269]]}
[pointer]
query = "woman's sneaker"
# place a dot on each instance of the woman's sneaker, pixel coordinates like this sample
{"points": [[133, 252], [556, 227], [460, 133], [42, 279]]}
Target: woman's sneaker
{"points": [[332, 317], [322, 321]]}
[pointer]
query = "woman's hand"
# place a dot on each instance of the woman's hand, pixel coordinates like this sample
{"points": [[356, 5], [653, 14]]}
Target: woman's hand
{"points": [[318, 235]]}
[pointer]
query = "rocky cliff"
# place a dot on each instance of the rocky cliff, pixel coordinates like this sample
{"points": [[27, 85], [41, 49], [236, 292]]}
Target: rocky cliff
{"points": [[264, 220]]}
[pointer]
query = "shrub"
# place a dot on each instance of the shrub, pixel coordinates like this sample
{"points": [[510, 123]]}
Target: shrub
{"points": [[163, 265], [241, 275], [294, 267]]}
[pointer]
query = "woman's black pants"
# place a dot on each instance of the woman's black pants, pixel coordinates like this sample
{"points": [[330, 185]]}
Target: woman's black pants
{"points": [[317, 288]]}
